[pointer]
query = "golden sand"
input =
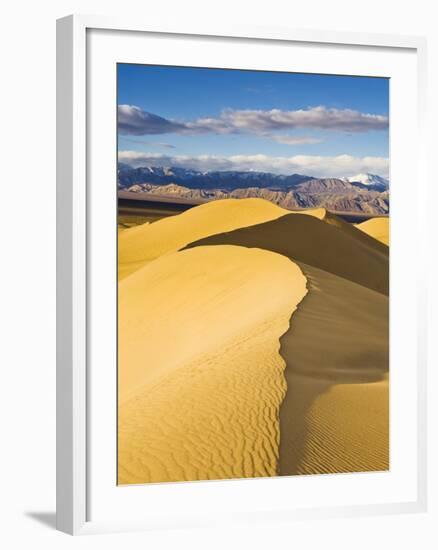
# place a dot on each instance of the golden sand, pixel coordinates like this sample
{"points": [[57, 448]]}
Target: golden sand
{"points": [[200, 375], [217, 380], [346, 428], [334, 416], [346, 252], [378, 228], [337, 360], [143, 243]]}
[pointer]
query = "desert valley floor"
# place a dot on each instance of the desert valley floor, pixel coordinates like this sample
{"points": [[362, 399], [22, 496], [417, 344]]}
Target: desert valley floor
{"points": [[253, 341]]}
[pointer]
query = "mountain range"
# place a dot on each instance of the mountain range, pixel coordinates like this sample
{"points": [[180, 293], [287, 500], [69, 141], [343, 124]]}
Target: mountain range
{"points": [[363, 193], [371, 181]]}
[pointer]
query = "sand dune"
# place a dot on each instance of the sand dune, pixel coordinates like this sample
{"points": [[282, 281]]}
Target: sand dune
{"points": [[352, 230], [378, 228], [334, 417], [200, 377], [337, 378], [206, 391], [143, 243], [348, 254]]}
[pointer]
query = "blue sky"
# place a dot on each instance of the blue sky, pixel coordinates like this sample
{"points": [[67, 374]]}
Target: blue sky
{"points": [[227, 119]]}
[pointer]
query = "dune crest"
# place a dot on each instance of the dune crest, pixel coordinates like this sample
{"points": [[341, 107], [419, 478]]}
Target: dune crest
{"points": [[200, 374], [143, 243], [378, 228], [335, 413], [345, 252], [320, 213]]}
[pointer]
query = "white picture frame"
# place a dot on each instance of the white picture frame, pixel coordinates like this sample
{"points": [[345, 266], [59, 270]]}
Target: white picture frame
{"points": [[74, 220]]}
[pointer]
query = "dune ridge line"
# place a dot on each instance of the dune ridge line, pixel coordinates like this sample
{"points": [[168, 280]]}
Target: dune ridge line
{"points": [[335, 414], [208, 406], [327, 244], [144, 243], [305, 395]]}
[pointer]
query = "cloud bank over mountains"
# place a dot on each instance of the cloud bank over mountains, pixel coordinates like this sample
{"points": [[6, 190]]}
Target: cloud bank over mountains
{"points": [[133, 120], [311, 165], [273, 124]]}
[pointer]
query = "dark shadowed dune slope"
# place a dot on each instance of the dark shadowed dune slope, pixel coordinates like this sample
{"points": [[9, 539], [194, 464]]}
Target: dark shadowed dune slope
{"points": [[335, 414], [336, 248]]}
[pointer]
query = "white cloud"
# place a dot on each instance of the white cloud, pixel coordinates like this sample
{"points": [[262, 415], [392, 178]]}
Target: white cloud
{"points": [[294, 140], [133, 120], [310, 165], [316, 117]]}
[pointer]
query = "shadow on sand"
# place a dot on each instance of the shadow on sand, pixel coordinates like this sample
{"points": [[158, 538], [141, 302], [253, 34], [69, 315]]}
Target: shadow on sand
{"points": [[338, 335]]}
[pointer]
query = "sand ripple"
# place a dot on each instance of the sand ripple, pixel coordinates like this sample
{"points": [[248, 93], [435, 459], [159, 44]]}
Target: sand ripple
{"points": [[206, 391], [335, 413], [201, 377]]}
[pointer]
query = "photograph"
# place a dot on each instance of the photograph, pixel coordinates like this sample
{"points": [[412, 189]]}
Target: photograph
{"points": [[253, 273]]}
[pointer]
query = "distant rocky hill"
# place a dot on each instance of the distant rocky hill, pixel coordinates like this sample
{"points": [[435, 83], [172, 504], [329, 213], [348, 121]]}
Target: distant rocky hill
{"points": [[206, 180], [294, 191]]}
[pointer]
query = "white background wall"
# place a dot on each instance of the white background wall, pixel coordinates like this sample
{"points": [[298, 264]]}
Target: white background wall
{"points": [[27, 366]]}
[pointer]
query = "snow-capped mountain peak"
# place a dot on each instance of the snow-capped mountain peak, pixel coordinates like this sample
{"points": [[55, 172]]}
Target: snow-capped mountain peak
{"points": [[371, 180]]}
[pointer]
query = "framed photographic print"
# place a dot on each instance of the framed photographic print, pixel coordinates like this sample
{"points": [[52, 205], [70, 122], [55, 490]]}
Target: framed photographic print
{"points": [[240, 326]]}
